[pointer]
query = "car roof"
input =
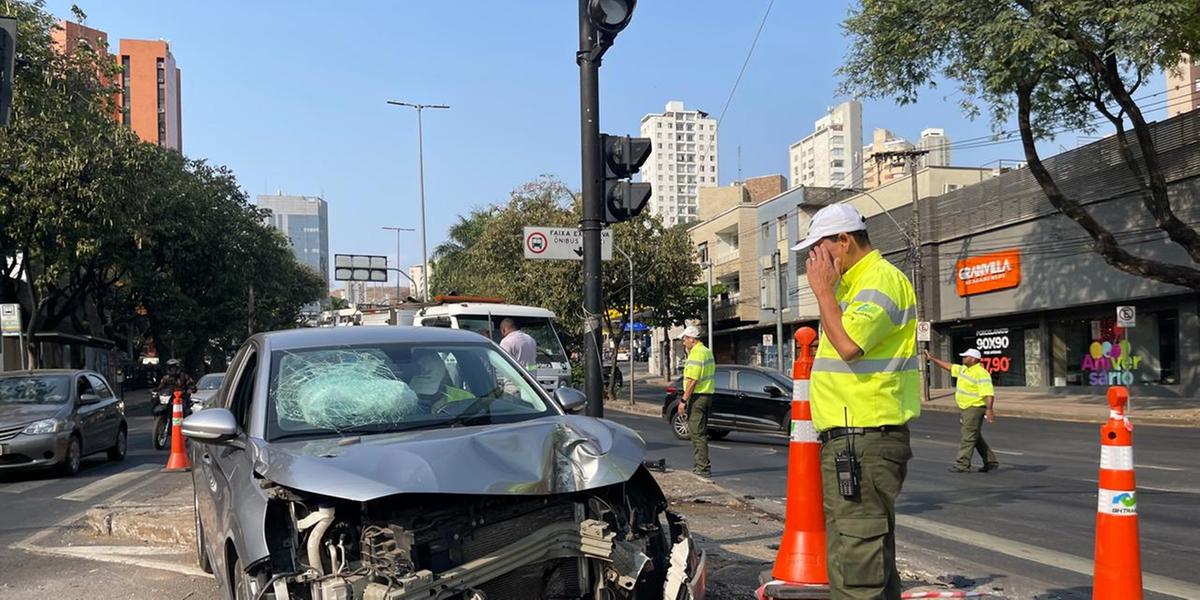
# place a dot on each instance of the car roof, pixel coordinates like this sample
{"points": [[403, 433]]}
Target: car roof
{"points": [[31, 372], [486, 308], [316, 337]]}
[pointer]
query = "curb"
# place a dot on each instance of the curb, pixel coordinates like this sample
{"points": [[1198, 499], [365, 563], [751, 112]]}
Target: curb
{"points": [[170, 524], [1028, 413]]}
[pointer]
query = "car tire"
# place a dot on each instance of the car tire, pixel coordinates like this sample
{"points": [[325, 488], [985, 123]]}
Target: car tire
{"points": [[120, 446], [242, 583], [679, 424], [201, 554], [717, 434], [71, 462]]}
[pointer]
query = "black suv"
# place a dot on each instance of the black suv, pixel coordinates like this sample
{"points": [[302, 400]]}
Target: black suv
{"points": [[747, 399]]}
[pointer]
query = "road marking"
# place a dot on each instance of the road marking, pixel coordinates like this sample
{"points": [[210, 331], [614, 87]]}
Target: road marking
{"points": [[112, 482], [721, 447], [1061, 560], [125, 555], [955, 445], [1156, 467], [21, 487]]}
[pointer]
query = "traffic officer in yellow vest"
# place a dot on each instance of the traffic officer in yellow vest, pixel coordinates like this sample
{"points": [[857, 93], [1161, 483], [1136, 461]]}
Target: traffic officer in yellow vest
{"points": [[699, 383], [865, 388], [974, 396]]}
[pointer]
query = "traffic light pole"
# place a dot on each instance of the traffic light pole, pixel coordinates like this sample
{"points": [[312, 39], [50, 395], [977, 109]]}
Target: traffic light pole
{"points": [[592, 223]]}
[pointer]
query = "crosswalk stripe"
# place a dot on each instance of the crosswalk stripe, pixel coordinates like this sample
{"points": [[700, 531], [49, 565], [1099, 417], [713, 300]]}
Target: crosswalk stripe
{"points": [[20, 487], [109, 483]]}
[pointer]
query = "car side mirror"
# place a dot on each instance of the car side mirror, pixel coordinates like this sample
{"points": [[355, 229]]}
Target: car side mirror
{"points": [[211, 426], [571, 399], [89, 399], [773, 391]]}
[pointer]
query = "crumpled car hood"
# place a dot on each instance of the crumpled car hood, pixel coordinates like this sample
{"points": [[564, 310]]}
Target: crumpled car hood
{"points": [[550, 455]]}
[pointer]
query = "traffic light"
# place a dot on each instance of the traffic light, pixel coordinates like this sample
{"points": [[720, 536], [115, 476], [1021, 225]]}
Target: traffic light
{"points": [[8, 53], [623, 156]]}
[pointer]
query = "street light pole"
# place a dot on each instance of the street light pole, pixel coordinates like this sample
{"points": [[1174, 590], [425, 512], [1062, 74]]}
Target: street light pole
{"points": [[710, 304], [398, 230], [421, 179]]}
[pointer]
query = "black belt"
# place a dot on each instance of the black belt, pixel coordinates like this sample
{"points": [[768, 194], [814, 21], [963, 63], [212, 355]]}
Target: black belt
{"points": [[837, 432]]}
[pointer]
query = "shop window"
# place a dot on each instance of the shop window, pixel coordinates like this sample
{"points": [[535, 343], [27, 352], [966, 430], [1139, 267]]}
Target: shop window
{"points": [[1003, 350], [1096, 352]]}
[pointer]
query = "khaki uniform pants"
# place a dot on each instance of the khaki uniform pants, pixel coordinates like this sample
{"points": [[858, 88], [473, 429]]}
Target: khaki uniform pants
{"points": [[699, 408], [972, 438], [861, 531]]}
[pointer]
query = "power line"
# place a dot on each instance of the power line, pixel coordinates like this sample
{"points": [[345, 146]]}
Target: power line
{"points": [[745, 63]]}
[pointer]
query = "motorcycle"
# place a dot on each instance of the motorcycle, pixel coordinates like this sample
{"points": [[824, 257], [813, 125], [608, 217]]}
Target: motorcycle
{"points": [[163, 410]]}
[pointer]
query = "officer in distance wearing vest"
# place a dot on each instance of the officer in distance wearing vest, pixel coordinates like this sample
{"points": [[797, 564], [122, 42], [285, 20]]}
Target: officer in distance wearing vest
{"points": [[864, 389], [974, 395]]}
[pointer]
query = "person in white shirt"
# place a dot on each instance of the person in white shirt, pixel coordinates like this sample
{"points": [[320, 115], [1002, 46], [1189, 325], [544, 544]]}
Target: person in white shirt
{"points": [[520, 345]]}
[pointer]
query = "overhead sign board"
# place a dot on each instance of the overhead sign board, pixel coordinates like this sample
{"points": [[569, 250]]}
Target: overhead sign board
{"points": [[561, 243], [360, 267], [768, 339], [988, 273], [1126, 316], [10, 318]]}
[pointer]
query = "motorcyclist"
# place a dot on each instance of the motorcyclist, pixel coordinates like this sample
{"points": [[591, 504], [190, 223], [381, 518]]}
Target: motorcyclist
{"points": [[176, 379]]}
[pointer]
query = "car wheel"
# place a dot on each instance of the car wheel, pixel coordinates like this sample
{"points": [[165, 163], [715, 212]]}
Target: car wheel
{"points": [[201, 553], [117, 452], [244, 585], [70, 463], [679, 424], [717, 434]]}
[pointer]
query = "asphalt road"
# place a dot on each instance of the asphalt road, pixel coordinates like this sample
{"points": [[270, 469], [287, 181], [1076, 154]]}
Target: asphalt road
{"points": [[41, 506], [1040, 505]]}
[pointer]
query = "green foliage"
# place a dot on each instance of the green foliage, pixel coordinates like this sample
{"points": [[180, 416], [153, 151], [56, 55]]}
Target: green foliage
{"points": [[1054, 67], [119, 238]]}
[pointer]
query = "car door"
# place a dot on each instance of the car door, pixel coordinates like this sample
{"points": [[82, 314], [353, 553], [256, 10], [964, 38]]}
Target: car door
{"points": [[110, 413], [757, 409], [724, 409], [230, 463], [90, 416]]}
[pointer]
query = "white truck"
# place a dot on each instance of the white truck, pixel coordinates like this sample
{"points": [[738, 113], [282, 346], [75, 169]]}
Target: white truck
{"points": [[483, 316]]}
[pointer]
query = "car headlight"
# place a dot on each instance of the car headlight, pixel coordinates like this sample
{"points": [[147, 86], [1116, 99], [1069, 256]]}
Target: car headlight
{"points": [[45, 426]]}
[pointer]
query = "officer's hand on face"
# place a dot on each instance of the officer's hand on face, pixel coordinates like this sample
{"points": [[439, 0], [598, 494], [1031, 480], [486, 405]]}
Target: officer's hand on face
{"points": [[823, 269]]}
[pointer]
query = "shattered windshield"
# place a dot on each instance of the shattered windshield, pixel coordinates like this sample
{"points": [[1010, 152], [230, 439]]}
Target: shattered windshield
{"points": [[395, 387]]}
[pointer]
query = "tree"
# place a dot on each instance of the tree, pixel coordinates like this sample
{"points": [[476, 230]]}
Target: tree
{"points": [[336, 303], [1055, 66]]}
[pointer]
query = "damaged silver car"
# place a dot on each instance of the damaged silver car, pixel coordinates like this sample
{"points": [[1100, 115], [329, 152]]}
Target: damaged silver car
{"points": [[395, 463]]}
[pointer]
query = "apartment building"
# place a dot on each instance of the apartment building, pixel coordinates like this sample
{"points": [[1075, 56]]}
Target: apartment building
{"points": [[683, 161], [151, 94], [830, 156], [1183, 88]]}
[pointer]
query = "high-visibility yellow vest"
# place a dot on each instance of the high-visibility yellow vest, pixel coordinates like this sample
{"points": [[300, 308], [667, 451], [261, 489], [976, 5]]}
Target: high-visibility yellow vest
{"points": [[702, 367], [974, 382], [881, 387]]}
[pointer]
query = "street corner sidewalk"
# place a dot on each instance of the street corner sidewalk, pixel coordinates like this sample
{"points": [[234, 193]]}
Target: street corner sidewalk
{"points": [[164, 518], [741, 534], [1080, 408]]}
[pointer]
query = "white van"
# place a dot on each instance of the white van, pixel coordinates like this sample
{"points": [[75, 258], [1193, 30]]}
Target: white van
{"points": [[476, 314]]}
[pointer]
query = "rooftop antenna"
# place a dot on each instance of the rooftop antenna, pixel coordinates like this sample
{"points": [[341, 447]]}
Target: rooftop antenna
{"points": [[740, 163]]}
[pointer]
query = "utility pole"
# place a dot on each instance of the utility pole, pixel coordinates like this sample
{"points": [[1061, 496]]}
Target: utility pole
{"points": [[914, 249], [780, 285], [710, 303], [629, 322]]}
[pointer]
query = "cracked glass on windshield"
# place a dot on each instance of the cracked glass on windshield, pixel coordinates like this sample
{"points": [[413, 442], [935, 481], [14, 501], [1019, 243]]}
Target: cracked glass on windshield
{"points": [[395, 387]]}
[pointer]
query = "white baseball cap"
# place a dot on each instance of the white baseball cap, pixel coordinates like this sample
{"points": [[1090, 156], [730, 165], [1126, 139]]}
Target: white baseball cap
{"points": [[832, 220], [973, 353], [690, 331]]}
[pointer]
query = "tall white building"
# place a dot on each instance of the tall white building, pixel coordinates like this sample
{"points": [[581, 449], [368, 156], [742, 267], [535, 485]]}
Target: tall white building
{"points": [[683, 160], [831, 156], [935, 141]]}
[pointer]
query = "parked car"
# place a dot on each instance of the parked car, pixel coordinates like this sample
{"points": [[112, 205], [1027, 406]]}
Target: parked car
{"points": [[747, 399], [54, 418], [206, 388], [403, 462]]}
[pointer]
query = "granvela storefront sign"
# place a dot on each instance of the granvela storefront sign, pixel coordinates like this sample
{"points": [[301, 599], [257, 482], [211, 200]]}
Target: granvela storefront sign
{"points": [[988, 273]]}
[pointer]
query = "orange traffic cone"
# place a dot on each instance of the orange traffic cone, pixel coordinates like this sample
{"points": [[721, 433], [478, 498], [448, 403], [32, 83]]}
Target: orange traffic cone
{"points": [[1118, 566], [800, 563], [178, 460]]}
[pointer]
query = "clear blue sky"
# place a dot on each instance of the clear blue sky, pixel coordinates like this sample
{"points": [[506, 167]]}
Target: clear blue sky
{"points": [[291, 95]]}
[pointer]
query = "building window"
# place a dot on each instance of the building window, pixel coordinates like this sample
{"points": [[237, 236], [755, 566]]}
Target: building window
{"points": [[766, 230], [781, 228], [162, 101], [702, 250], [126, 118], [837, 164], [950, 187], [1145, 355]]}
